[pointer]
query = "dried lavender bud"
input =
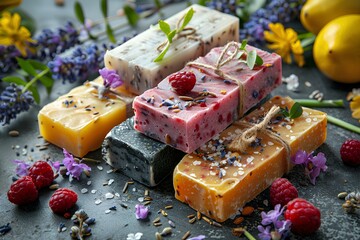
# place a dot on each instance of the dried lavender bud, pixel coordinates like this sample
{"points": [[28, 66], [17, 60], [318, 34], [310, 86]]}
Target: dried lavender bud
{"points": [[90, 221], [13, 101]]}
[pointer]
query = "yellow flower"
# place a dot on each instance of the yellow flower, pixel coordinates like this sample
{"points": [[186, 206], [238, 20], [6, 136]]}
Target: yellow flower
{"points": [[12, 33], [9, 3], [284, 42], [354, 96]]}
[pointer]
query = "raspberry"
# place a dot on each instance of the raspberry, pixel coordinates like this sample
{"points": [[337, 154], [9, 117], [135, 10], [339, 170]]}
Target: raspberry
{"points": [[62, 200], [23, 191], [305, 218], [182, 82], [350, 152], [282, 191], [42, 174]]}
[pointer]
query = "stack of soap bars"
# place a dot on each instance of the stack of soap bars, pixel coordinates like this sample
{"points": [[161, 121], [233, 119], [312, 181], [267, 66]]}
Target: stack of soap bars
{"points": [[79, 121]]}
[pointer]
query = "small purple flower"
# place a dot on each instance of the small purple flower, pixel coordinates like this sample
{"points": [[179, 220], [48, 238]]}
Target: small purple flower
{"points": [[74, 169], [264, 232], [55, 165], [200, 237], [141, 211], [22, 168], [272, 216], [111, 78], [283, 227], [313, 164]]}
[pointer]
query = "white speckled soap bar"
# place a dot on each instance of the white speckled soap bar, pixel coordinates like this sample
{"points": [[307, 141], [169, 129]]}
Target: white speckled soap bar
{"points": [[133, 60]]}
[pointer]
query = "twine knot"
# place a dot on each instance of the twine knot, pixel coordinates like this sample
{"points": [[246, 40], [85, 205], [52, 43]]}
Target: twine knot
{"points": [[242, 141]]}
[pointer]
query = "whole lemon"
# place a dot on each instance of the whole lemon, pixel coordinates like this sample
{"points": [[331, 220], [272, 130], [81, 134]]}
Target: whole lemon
{"points": [[315, 14], [336, 49]]}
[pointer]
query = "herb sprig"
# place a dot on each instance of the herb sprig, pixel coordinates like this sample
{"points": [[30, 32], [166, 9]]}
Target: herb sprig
{"points": [[295, 111], [252, 58], [170, 34]]}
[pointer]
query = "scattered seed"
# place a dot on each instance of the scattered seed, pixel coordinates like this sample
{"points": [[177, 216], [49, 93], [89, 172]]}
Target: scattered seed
{"points": [[216, 224], [158, 236], [238, 220], [308, 84], [238, 231], [186, 98], [146, 192], [168, 207], [186, 235], [147, 203], [206, 220], [342, 195], [125, 187], [167, 139], [43, 148], [14, 133], [61, 227], [163, 213], [54, 186], [223, 92], [87, 173], [191, 216], [148, 199], [171, 223], [248, 210], [158, 224], [93, 191], [198, 215], [88, 183], [192, 220], [113, 208], [166, 231], [156, 220]]}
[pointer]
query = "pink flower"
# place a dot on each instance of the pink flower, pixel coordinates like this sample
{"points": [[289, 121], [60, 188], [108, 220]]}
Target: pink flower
{"points": [[141, 212]]}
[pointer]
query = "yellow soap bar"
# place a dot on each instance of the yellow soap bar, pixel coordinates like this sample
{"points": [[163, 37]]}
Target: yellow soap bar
{"points": [[218, 182], [79, 121]]}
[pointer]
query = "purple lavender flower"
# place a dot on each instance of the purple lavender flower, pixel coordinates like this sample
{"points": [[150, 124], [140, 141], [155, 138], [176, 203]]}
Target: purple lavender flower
{"points": [[264, 232], [13, 101], [22, 168], [200, 237], [55, 165], [283, 227], [74, 169], [313, 164], [111, 78], [272, 216], [141, 211]]}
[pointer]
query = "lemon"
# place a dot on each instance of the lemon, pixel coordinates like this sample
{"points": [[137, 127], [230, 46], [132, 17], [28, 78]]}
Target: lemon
{"points": [[337, 50], [315, 14]]}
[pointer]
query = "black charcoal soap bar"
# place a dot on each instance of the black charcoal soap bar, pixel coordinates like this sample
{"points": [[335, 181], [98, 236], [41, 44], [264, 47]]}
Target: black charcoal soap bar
{"points": [[139, 157]]}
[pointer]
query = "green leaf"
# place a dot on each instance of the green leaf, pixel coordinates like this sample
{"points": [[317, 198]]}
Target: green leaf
{"points": [[110, 33], [187, 19], [171, 35], [296, 110], [104, 8], [157, 4], [251, 59], [285, 112], [14, 79], [45, 80], [35, 93], [259, 61], [162, 54], [202, 2], [131, 15], [79, 12], [165, 27], [26, 66], [243, 44]]}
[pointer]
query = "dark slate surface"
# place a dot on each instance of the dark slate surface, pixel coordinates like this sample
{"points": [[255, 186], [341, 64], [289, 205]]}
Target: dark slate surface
{"points": [[38, 222]]}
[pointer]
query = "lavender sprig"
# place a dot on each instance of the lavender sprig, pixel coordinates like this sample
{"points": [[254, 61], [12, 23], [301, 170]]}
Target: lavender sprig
{"points": [[13, 101]]}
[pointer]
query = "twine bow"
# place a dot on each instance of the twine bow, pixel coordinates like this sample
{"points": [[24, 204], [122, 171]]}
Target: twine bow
{"points": [[242, 141], [221, 61]]}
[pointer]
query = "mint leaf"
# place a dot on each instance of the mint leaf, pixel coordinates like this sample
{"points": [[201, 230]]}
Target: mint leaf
{"points": [[285, 112], [26, 66], [163, 52], [104, 8], [259, 61], [165, 27], [110, 33], [251, 59], [187, 19], [14, 79], [243, 45], [35, 93], [171, 35], [296, 111]]}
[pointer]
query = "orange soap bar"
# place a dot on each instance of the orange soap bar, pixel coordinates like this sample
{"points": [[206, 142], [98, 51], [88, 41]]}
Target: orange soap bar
{"points": [[79, 121], [217, 182]]}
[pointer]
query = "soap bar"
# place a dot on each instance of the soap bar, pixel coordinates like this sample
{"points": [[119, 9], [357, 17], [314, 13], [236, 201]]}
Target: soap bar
{"points": [[139, 157], [79, 121], [133, 60], [218, 182], [214, 102]]}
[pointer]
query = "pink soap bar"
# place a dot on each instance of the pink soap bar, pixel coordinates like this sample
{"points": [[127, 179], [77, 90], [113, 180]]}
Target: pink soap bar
{"points": [[187, 122]]}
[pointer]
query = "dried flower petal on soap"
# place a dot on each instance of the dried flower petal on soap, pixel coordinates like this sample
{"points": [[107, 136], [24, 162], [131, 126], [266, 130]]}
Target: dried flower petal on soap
{"points": [[141, 211], [22, 168]]}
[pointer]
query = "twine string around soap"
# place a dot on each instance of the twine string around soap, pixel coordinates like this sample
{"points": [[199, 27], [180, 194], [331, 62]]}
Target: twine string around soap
{"points": [[242, 142], [187, 32], [221, 61]]}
